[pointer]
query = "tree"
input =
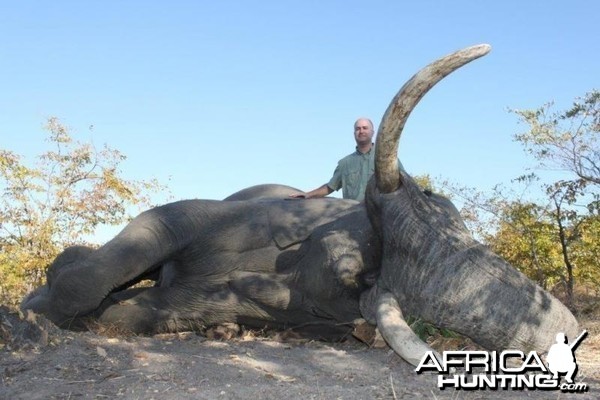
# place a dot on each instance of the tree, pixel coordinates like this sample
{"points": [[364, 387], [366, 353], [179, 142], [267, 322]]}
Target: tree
{"points": [[566, 140], [526, 239], [59, 202], [586, 252], [518, 229], [553, 239]]}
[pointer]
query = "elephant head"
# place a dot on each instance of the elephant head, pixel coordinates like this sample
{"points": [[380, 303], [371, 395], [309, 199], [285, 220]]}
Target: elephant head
{"points": [[431, 266]]}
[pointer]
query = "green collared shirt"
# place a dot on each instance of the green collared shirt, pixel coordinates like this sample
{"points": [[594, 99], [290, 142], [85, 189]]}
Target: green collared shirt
{"points": [[352, 174]]}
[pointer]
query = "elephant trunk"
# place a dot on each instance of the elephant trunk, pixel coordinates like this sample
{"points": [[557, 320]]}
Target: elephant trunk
{"points": [[478, 294]]}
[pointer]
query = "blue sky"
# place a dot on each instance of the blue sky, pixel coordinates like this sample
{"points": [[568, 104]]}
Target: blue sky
{"points": [[220, 95]]}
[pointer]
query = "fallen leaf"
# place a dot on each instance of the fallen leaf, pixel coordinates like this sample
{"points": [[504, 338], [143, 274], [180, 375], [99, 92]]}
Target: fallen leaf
{"points": [[101, 352]]}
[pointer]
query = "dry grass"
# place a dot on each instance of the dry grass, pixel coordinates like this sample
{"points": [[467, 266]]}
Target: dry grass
{"points": [[588, 353], [586, 307]]}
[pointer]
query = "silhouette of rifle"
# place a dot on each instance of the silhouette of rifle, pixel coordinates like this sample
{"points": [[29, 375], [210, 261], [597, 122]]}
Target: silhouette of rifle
{"points": [[578, 339]]}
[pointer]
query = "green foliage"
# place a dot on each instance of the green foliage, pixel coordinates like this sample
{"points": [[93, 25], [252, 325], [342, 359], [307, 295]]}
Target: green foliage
{"points": [[424, 181], [566, 140], [585, 252], [60, 201], [429, 184], [527, 239], [424, 329], [555, 239]]}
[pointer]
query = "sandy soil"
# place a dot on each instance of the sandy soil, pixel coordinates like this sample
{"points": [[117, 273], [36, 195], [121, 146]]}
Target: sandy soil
{"points": [[39, 361]]}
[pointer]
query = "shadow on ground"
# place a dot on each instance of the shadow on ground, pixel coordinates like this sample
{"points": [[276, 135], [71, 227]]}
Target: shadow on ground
{"points": [[39, 361]]}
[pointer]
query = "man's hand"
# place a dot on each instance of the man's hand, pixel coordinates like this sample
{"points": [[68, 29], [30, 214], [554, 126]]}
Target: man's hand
{"points": [[298, 195]]}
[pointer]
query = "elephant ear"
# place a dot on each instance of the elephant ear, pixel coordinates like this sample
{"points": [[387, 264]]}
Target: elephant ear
{"points": [[292, 221]]}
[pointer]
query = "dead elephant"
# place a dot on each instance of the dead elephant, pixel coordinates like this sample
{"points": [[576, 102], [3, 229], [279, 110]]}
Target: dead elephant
{"points": [[262, 260]]}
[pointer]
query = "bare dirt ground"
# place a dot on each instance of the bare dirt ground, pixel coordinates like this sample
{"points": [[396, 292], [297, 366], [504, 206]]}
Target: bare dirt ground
{"points": [[39, 361]]}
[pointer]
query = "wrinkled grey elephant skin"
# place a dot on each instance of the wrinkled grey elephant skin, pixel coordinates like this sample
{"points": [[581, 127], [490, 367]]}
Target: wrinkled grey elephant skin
{"points": [[263, 262], [262, 259]]}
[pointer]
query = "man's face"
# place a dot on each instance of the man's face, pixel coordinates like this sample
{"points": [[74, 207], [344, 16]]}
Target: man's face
{"points": [[363, 132]]}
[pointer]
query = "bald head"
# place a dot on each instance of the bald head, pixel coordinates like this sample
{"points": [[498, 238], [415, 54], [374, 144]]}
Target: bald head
{"points": [[363, 121], [363, 133]]}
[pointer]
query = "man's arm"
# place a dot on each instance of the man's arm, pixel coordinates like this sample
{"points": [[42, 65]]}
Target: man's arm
{"points": [[335, 183], [321, 191]]}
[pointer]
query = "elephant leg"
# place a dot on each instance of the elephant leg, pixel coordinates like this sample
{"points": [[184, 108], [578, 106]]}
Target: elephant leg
{"points": [[40, 300], [161, 309], [168, 309], [134, 310], [142, 247], [287, 307], [269, 290], [64, 261]]}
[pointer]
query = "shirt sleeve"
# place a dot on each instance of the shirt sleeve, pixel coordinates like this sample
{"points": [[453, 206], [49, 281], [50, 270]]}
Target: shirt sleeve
{"points": [[335, 183]]}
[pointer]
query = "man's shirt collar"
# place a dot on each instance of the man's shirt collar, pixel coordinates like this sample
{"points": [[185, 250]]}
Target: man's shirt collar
{"points": [[368, 152]]}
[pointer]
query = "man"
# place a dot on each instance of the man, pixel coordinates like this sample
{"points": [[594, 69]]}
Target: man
{"points": [[561, 357], [353, 171]]}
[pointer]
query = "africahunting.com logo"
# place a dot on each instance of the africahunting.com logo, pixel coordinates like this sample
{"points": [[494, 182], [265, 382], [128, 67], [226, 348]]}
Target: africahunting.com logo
{"points": [[509, 369]]}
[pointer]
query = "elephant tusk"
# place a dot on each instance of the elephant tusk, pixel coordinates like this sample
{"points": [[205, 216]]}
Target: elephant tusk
{"points": [[397, 333], [394, 119]]}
